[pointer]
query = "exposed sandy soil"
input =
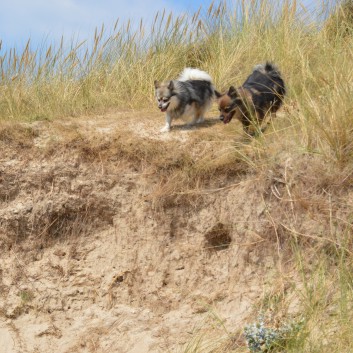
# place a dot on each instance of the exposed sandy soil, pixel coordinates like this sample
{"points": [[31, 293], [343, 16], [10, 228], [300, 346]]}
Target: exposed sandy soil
{"points": [[89, 265]]}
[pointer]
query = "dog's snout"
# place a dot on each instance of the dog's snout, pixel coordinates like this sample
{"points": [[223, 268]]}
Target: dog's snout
{"points": [[221, 118]]}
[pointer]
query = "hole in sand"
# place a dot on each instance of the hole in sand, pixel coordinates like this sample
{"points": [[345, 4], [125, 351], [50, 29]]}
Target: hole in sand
{"points": [[218, 238]]}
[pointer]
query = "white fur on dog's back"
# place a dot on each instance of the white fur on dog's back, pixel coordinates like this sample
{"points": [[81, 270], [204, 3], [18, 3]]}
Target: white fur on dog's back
{"points": [[194, 74]]}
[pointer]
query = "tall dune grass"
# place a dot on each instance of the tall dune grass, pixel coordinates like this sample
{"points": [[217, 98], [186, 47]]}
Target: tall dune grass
{"points": [[117, 68]]}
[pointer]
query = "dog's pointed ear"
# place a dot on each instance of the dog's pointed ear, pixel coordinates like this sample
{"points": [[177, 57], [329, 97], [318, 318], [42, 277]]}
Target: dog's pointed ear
{"points": [[156, 84], [218, 95], [171, 85], [232, 92]]}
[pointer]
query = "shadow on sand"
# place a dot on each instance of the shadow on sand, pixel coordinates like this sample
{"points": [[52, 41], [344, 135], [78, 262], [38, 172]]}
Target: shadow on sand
{"points": [[207, 123]]}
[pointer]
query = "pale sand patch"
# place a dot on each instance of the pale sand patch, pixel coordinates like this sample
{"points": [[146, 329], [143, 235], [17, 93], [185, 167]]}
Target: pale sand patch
{"points": [[138, 281], [7, 340]]}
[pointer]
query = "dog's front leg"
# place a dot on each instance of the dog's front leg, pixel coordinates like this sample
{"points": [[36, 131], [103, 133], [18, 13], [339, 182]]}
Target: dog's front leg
{"points": [[168, 123]]}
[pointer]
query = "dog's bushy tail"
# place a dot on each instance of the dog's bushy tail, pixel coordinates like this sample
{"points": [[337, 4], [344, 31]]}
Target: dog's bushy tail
{"points": [[189, 74], [273, 72], [269, 69]]}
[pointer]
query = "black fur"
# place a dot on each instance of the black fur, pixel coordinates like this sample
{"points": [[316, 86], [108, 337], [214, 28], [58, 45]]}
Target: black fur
{"points": [[261, 93], [269, 84], [195, 91], [191, 91]]}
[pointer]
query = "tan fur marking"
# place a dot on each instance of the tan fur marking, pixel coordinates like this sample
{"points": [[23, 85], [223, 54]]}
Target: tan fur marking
{"points": [[255, 91]]}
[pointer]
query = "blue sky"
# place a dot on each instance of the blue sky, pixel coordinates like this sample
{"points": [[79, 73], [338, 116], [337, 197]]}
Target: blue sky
{"points": [[47, 20]]}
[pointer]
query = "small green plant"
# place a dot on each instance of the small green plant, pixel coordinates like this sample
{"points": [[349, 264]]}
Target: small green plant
{"points": [[262, 338], [26, 296]]}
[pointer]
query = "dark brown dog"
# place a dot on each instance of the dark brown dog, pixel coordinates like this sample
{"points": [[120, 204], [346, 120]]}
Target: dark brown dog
{"points": [[262, 93]]}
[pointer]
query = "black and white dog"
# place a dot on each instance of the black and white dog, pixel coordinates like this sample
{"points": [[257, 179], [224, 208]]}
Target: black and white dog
{"points": [[190, 95]]}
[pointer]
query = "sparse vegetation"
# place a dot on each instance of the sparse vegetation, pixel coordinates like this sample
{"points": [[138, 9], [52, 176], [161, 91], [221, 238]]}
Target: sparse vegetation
{"points": [[264, 338], [26, 296], [300, 169]]}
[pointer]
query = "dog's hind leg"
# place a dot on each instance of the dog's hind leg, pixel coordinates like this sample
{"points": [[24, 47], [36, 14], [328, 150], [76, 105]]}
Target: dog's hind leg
{"points": [[196, 119], [267, 121], [200, 120], [193, 111], [200, 115], [269, 115], [251, 125]]}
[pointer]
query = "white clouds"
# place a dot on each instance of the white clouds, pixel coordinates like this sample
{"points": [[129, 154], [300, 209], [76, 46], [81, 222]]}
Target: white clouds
{"points": [[40, 19]]}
